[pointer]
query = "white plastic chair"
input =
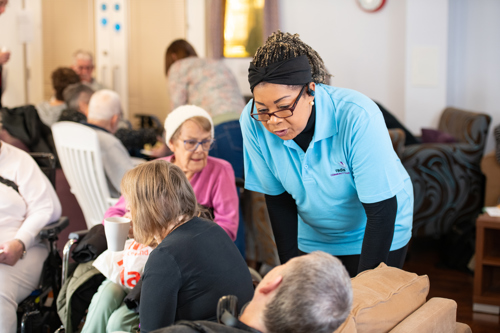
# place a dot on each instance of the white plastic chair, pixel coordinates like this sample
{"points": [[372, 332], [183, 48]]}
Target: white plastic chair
{"points": [[80, 156]]}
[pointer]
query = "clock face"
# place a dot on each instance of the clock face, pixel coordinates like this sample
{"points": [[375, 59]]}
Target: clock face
{"points": [[371, 5]]}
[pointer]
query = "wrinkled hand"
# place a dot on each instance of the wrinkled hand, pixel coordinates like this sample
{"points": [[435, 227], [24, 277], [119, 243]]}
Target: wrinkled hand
{"points": [[4, 57], [12, 252], [131, 230]]}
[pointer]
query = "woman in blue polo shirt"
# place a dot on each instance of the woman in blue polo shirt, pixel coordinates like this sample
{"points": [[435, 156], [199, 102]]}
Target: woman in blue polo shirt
{"points": [[324, 160]]}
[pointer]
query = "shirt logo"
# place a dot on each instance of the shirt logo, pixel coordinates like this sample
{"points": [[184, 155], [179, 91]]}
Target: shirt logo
{"points": [[341, 171]]}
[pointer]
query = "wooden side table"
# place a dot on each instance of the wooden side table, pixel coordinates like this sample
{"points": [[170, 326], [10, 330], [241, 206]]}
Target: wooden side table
{"points": [[487, 273]]}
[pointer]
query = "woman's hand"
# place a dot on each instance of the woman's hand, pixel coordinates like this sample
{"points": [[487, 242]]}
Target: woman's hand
{"points": [[131, 230], [11, 252]]}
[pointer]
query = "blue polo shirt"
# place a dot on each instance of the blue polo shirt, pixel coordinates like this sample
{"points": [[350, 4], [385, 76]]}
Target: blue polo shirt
{"points": [[349, 161]]}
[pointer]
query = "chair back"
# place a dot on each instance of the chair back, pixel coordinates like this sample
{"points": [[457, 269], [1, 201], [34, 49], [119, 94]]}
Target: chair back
{"points": [[398, 138], [465, 126], [80, 156]]}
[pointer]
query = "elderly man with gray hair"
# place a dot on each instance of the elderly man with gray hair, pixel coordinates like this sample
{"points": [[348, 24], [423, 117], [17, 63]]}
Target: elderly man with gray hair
{"points": [[311, 293], [83, 65], [104, 113]]}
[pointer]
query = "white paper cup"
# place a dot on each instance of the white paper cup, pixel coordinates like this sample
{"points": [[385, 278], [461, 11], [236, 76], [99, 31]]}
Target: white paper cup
{"points": [[116, 230]]}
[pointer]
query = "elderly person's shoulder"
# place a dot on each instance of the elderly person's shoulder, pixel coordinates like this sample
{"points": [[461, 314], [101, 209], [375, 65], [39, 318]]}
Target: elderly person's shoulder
{"points": [[215, 163], [202, 326]]}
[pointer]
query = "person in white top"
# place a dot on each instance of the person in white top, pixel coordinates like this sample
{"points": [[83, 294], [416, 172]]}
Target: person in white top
{"points": [[28, 203]]}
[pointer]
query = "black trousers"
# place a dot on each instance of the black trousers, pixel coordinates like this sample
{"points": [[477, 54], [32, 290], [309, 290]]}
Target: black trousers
{"points": [[351, 263]]}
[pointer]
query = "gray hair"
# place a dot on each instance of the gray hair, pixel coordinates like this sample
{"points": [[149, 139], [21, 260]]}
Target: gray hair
{"points": [[104, 104], [74, 93], [314, 296], [82, 54]]}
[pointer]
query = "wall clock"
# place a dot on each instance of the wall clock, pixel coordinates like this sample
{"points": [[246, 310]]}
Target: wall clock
{"points": [[371, 5]]}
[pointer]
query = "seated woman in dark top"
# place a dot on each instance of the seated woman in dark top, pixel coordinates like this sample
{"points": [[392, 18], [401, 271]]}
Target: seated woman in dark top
{"points": [[195, 262]]}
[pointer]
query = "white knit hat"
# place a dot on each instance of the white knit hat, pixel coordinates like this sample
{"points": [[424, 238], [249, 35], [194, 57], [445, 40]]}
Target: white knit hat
{"points": [[177, 117]]}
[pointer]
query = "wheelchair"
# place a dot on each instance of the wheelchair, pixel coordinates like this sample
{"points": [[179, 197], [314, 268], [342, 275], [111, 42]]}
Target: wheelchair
{"points": [[38, 313]]}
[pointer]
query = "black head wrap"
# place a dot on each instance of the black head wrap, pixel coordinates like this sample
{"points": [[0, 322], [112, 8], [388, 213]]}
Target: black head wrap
{"points": [[291, 71]]}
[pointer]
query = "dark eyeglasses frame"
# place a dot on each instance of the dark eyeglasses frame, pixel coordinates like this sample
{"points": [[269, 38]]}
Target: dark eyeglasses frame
{"points": [[198, 143], [255, 116]]}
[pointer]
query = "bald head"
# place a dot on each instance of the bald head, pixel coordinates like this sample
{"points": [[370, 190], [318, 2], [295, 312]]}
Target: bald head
{"points": [[104, 104]]}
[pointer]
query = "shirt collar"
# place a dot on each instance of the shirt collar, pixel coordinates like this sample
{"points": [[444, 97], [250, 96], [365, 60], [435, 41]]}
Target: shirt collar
{"points": [[95, 126], [326, 123]]}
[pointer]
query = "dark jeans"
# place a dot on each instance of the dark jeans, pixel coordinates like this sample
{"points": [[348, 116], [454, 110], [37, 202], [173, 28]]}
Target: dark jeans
{"points": [[396, 259], [228, 146]]}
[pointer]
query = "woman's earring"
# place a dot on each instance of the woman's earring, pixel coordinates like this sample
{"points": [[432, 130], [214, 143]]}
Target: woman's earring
{"points": [[312, 103]]}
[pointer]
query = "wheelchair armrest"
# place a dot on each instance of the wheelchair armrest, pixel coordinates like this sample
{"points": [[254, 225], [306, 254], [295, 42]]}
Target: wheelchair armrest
{"points": [[50, 231], [77, 235]]}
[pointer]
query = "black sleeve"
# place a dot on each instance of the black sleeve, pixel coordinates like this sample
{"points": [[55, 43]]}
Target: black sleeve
{"points": [[381, 217], [136, 139], [283, 215], [158, 306]]}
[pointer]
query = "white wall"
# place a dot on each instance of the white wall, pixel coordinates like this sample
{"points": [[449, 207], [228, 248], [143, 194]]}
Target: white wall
{"points": [[364, 51], [195, 30], [15, 93], [24, 69], [426, 62], [474, 53]]}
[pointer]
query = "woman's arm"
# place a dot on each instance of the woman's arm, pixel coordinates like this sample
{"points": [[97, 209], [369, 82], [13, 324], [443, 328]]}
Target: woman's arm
{"points": [[118, 210], [42, 203], [225, 201], [161, 282], [177, 84], [381, 218], [283, 215]]}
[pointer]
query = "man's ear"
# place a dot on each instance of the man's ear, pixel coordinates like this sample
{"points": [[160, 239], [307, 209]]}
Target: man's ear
{"points": [[271, 285], [115, 118], [114, 122]]}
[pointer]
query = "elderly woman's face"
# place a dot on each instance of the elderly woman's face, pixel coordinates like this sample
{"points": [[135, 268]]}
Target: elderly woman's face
{"points": [[270, 97], [190, 161]]}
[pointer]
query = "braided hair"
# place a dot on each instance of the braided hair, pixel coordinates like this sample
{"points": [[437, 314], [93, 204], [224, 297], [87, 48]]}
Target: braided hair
{"points": [[282, 46]]}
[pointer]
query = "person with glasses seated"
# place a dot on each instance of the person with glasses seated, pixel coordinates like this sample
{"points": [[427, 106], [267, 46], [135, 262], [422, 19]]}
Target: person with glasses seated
{"points": [[189, 134], [323, 157]]}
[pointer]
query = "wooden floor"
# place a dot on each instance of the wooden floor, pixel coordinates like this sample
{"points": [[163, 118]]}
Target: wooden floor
{"points": [[457, 285]]}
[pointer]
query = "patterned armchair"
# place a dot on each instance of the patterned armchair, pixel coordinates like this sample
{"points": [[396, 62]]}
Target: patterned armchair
{"points": [[447, 179]]}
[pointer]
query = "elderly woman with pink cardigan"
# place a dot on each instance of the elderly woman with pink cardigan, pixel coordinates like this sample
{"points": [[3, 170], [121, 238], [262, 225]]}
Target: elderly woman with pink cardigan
{"points": [[189, 135]]}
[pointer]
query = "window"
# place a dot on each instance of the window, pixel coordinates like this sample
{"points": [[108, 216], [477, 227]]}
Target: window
{"points": [[243, 27]]}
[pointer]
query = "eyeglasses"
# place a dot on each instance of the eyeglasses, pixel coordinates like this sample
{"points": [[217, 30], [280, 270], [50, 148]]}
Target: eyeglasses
{"points": [[88, 68], [192, 145], [283, 113]]}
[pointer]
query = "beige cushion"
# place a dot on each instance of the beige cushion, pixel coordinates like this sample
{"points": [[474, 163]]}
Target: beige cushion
{"points": [[435, 316], [383, 297]]}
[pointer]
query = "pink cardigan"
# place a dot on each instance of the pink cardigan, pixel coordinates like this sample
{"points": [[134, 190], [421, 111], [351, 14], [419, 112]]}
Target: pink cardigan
{"points": [[214, 187]]}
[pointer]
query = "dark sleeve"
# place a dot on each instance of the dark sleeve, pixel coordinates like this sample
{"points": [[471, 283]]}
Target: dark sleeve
{"points": [[136, 139], [283, 215], [381, 217], [72, 115], [161, 282]]}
